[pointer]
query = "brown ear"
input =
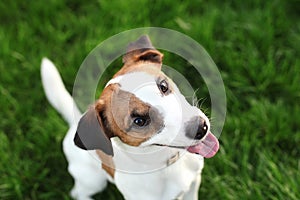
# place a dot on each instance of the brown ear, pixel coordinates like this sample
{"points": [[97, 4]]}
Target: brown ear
{"points": [[142, 50], [90, 135]]}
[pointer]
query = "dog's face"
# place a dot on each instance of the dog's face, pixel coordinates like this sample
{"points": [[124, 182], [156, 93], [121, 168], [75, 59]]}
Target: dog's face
{"points": [[143, 107]]}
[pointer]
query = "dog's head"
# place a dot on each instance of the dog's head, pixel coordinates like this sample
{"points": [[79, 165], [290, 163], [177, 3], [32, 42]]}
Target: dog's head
{"points": [[143, 107]]}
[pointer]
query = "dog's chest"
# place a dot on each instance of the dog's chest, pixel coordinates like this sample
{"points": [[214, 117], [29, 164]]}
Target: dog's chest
{"points": [[138, 177]]}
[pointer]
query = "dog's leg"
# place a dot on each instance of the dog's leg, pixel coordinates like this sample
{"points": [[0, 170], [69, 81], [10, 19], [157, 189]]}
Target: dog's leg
{"points": [[79, 192], [88, 181], [192, 194]]}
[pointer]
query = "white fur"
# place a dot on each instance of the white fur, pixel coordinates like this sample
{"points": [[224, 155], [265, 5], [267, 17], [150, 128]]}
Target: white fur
{"points": [[146, 174]]}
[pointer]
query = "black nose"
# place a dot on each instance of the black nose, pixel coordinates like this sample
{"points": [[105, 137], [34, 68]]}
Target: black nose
{"points": [[202, 130], [196, 128]]}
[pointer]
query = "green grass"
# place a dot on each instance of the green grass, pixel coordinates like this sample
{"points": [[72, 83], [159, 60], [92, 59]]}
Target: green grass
{"points": [[255, 44]]}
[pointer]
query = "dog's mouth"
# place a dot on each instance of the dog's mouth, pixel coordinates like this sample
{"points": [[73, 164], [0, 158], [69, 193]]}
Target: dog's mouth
{"points": [[207, 148]]}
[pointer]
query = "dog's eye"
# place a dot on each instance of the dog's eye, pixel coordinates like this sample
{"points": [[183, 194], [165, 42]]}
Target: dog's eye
{"points": [[163, 86], [139, 121]]}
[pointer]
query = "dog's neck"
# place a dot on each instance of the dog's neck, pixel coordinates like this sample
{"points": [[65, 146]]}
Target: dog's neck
{"points": [[143, 159]]}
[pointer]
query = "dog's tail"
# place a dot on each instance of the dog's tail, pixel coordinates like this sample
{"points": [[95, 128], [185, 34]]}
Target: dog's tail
{"points": [[56, 92]]}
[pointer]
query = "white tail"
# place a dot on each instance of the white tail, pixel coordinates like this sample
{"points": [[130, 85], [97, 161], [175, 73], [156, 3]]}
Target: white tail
{"points": [[56, 92]]}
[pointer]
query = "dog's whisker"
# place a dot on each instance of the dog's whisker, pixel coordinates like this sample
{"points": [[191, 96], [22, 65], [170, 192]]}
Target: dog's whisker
{"points": [[195, 98], [200, 102]]}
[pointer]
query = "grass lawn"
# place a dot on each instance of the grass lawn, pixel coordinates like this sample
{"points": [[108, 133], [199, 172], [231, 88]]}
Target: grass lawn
{"points": [[255, 44]]}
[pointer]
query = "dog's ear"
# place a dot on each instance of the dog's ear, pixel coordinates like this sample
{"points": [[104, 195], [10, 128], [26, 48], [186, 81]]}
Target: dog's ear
{"points": [[142, 50], [90, 134]]}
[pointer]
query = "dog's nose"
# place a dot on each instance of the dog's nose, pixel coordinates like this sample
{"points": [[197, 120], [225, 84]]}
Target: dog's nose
{"points": [[202, 129], [196, 128]]}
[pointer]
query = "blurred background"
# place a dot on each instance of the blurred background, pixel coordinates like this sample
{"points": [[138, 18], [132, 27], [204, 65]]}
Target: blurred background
{"points": [[255, 45]]}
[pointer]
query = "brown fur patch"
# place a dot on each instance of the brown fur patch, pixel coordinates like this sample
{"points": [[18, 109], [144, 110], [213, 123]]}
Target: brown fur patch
{"points": [[134, 60], [144, 55], [117, 115], [150, 68], [107, 163]]}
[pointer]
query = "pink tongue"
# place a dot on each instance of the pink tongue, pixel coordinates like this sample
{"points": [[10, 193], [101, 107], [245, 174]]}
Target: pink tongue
{"points": [[206, 148]]}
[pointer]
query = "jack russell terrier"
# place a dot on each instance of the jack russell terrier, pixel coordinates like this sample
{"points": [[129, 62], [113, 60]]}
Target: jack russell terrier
{"points": [[149, 139]]}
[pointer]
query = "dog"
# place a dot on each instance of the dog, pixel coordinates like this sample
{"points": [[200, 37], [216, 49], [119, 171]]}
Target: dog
{"points": [[149, 139]]}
